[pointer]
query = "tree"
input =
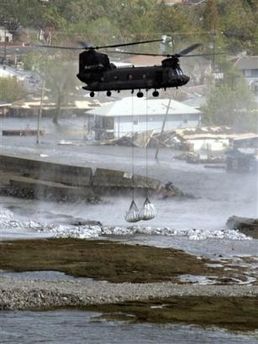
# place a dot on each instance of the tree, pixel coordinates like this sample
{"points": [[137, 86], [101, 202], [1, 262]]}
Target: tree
{"points": [[231, 103], [11, 89], [60, 80], [238, 24]]}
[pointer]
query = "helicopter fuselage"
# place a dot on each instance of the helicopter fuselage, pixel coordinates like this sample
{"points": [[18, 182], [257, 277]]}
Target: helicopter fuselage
{"points": [[131, 78]]}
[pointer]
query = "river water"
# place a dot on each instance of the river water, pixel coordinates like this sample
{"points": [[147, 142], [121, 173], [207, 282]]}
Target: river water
{"points": [[84, 327], [196, 225]]}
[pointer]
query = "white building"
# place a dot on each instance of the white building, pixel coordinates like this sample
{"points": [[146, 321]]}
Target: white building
{"points": [[5, 35], [132, 114]]}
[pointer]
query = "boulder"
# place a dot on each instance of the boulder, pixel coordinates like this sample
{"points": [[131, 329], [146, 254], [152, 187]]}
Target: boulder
{"points": [[248, 226]]}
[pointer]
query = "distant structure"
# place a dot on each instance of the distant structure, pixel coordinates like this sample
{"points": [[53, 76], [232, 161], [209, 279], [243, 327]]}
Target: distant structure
{"points": [[129, 115], [248, 65], [5, 35]]}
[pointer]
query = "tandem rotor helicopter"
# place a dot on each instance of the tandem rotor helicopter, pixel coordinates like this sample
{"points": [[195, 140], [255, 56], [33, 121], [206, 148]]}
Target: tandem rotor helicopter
{"points": [[99, 74]]}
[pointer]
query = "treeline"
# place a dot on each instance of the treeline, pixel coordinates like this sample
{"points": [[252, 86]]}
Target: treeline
{"points": [[232, 25]]}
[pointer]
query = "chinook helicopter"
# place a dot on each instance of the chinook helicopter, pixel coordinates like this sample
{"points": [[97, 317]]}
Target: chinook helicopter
{"points": [[99, 74]]}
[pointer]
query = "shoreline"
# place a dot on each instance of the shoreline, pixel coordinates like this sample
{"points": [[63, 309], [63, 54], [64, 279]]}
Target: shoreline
{"points": [[38, 295]]}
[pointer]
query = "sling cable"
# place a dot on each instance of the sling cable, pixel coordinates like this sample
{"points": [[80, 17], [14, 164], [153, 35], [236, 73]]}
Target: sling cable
{"points": [[148, 210]]}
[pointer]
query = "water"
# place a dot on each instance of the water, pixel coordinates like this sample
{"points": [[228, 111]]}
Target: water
{"points": [[78, 327], [218, 195]]}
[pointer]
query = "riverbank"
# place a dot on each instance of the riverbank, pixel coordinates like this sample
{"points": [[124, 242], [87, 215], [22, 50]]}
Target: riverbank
{"points": [[133, 283], [233, 307]]}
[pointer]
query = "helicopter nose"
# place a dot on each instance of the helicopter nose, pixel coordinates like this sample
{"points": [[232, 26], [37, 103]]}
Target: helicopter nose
{"points": [[185, 79]]}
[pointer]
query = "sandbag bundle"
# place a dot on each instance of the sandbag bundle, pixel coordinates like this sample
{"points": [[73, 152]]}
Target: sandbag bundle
{"points": [[132, 215], [148, 210]]}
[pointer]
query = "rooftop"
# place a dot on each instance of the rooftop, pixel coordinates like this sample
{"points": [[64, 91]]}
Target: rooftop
{"points": [[129, 106], [247, 62]]}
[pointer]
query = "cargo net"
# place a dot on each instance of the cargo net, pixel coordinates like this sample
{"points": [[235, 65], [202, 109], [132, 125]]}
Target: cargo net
{"points": [[133, 214], [148, 212]]}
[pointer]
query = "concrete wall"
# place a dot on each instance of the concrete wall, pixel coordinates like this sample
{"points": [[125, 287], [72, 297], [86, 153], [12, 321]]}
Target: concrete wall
{"points": [[77, 176], [66, 174]]}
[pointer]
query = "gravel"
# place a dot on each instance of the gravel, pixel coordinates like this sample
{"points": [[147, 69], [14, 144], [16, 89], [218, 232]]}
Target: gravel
{"points": [[35, 294]]}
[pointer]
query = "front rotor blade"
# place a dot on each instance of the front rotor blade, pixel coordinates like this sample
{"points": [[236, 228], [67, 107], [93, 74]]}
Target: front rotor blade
{"points": [[187, 50], [126, 44]]}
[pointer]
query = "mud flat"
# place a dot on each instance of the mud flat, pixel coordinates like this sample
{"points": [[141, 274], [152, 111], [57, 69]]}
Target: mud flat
{"points": [[134, 283]]}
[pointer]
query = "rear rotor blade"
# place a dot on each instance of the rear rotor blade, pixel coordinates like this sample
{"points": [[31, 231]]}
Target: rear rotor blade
{"points": [[55, 47], [132, 53], [86, 45], [208, 54], [162, 55], [189, 49]]}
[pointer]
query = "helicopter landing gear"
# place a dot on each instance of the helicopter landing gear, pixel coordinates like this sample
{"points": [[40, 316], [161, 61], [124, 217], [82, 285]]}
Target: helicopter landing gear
{"points": [[155, 93], [108, 93], [92, 94], [139, 94]]}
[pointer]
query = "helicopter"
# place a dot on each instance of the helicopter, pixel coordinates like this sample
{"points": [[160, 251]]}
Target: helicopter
{"points": [[99, 74]]}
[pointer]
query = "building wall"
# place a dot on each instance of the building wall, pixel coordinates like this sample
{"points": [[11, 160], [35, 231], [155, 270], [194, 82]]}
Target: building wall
{"points": [[5, 35], [127, 124]]}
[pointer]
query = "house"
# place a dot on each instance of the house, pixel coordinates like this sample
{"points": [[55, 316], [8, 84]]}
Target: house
{"points": [[170, 2], [187, 2], [4, 108], [5, 35], [132, 114], [248, 65]]}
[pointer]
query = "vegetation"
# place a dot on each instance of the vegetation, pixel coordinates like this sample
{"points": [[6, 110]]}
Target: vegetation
{"points": [[234, 313], [99, 21], [60, 78], [100, 259], [11, 89], [230, 102], [107, 260]]}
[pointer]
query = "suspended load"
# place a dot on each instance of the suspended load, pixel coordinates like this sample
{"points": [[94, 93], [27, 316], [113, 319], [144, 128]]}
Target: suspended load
{"points": [[148, 210], [132, 215]]}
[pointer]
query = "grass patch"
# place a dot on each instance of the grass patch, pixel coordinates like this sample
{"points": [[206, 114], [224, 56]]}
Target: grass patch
{"points": [[106, 260], [233, 313]]}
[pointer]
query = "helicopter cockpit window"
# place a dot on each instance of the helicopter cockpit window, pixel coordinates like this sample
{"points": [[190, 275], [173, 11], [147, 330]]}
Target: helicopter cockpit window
{"points": [[179, 71]]}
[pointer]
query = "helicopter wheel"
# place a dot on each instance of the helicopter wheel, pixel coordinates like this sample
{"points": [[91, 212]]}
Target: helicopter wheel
{"points": [[92, 94], [108, 93], [155, 93], [139, 94]]}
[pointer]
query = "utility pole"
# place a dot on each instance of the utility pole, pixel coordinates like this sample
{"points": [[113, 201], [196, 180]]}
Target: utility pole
{"points": [[40, 110], [162, 129], [5, 47]]}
